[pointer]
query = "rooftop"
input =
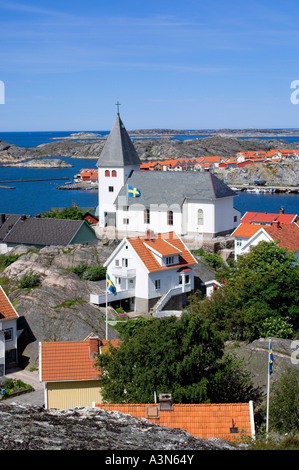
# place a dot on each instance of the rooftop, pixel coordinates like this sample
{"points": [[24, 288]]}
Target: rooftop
{"points": [[7, 311], [118, 150], [157, 186], [71, 360], [40, 231], [166, 244], [225, 421]]}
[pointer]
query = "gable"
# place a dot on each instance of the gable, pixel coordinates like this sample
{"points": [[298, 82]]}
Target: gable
{"points": [[7, 310]]}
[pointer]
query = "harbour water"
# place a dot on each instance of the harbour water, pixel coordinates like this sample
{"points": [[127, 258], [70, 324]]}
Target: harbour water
{"points": [[35, 197]]}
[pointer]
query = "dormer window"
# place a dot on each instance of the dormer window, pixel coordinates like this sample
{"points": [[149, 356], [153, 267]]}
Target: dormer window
{"points": [[169, 259]]}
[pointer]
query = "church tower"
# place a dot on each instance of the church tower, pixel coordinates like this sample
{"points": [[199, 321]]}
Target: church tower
{"points": [[117, 161]]}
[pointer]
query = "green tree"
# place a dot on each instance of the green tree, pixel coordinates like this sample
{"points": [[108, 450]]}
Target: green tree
{"points": [[183, 357], [284, 403], [260, 285], [73, 213]]}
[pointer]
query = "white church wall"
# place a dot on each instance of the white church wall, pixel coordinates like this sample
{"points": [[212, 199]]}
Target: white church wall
{"points": [[208, 225], [224, 215]]}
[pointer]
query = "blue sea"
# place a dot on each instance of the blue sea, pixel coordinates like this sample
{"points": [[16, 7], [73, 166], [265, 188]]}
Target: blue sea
{"points": [[35, 197]]}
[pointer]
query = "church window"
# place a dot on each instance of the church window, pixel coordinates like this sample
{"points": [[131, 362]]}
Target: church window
{"points": [[114, 173], [200, 217], [170, 217], [107, 173], [147, 217], [111, 189]]}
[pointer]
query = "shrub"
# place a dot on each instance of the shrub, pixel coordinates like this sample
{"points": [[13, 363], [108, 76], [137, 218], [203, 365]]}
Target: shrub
{"points": [[29, 280], [95, 274]]}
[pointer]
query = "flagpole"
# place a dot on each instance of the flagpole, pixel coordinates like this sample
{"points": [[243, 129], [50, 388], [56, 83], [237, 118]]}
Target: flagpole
{"points": [[106, 310], [268, 390]]}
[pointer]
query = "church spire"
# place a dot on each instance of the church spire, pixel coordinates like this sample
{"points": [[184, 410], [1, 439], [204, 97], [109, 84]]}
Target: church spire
{"points": [[118, 150]]}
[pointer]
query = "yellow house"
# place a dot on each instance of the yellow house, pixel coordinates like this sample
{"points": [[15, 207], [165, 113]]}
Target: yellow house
{"points": [[68, 371]]}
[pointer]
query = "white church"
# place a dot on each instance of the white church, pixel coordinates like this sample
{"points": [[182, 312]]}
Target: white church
{"points": [[194, 205]]}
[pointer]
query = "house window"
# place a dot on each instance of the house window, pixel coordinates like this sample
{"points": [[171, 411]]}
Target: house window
{"points": [[111, 189], [187, 279], [126, 221], [147, 217], [114, 173], [117, 281], [180, 280], [170, 217], [239, 243], [124, 262], [169, 259], [8, 334], [157, 284], [235, 218], [117, 262], [200, 217], [107, 173]]}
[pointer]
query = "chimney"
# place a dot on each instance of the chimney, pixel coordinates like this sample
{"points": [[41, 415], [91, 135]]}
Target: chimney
{"points": [[165, 402], [2, 219], [93, 346], [281, 210]]}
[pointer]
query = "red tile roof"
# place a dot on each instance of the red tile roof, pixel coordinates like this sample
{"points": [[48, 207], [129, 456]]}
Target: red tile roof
{"points": [[71, 360], [166, 244], [256, 217], [204, 421], [286, 235], [7, 311]]}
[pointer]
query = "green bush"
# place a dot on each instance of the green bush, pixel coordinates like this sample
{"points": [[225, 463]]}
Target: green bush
{"points": [[7, 260], [29, 280], [95, 274]]}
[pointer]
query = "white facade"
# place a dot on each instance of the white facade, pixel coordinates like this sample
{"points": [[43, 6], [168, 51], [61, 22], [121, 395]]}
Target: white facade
{"points": [[135, 281], [243, 244], [110, 180]]}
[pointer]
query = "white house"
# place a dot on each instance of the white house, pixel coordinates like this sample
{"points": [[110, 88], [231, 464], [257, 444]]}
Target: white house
{"points": [[150, 272], [8, 333], [248, 235], [195, 204]]}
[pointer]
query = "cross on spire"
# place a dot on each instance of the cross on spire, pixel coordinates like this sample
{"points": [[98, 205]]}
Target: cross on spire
{"points": [[118, 105]]}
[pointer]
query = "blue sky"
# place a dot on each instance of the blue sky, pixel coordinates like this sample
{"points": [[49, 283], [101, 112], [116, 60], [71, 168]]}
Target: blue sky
{"points": [[172, 64]]}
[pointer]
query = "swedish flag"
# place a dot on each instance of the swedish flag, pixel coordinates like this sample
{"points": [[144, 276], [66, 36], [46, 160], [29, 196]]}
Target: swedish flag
{"points": [[110, 286], [271, 359], [133, 192]]}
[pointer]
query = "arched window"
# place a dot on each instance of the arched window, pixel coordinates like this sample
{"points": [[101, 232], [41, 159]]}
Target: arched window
{"points": [[147, 216], [200, 217], [170, 217], [107, 173], [114, 173]]}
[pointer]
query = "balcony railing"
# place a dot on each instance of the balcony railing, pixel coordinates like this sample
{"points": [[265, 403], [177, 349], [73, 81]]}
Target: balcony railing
{"points": [[123, 272], [120, 295]]}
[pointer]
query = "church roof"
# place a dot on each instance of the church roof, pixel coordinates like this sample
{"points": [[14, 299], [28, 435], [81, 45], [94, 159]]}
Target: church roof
{"points": [[170, 187], [118, 150]]}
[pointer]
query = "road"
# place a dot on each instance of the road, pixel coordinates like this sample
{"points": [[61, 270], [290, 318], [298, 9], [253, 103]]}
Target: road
{"points": [[30, 378]]}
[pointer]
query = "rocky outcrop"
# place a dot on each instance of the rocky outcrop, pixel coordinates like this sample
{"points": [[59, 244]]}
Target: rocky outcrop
{"points": [[46, 163], [58, 309], [154, 149], [167, 148], [26, 427], [276, 174]]}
